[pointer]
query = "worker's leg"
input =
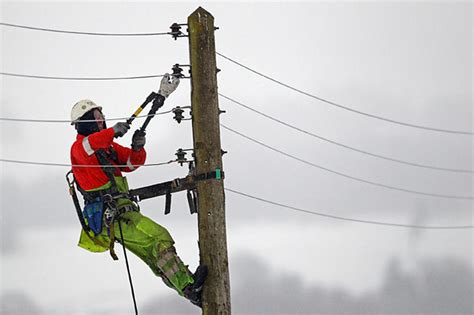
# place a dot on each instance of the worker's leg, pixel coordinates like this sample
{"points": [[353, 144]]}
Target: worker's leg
{"points": [[154, 245]]}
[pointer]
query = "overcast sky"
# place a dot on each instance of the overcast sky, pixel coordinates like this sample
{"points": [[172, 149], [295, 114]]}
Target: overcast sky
{"points": [[405, 61]]}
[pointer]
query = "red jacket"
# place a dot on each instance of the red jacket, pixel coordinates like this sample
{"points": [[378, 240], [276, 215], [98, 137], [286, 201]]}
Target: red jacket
{"points": [[82, 153]]}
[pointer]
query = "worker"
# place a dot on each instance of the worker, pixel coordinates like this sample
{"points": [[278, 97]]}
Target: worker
{"points": [[110, 212]]}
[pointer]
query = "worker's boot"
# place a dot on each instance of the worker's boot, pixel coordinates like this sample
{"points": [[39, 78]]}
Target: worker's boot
{"points": [[193, 292]]}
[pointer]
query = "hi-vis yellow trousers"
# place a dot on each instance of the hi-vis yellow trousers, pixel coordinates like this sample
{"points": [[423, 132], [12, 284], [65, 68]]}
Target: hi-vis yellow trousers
{"points": [[149, 241]]}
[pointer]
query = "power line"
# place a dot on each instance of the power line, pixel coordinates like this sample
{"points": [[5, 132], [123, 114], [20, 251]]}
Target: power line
{"points": [[69, 121], [345, 175], [350, 219], [256, 198], [221, 55], [80, 165], [80, 78], [344, 145], [83, 33], [345, 107]]}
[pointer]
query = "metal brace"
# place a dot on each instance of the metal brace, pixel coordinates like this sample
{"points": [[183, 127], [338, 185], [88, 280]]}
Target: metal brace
{"points": [[192, 200]]}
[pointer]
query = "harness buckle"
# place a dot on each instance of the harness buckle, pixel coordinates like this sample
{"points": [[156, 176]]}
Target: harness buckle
{"points": [[110, 211]]}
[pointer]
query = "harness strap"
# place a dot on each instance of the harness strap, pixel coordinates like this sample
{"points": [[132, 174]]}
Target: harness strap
{"points": [[108, 168], [112, 243], [105, 159], [93, 195], [112, 214], [72, 192]]}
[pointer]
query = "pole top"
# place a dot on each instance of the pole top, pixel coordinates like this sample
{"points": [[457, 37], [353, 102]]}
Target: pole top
{"points": [[200, 11]]}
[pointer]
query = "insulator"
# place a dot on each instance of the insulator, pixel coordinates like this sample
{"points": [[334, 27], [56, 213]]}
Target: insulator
{"points": [[178, 114], [175, 30], [177, 71], [181, 156]]}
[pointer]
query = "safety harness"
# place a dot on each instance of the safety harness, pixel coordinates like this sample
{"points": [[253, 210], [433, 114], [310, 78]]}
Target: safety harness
{"points": [[101, 206], [108, 197]]}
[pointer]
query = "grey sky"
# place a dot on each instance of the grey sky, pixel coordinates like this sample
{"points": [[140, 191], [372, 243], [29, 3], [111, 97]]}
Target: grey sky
{"points": [[408, 61]]}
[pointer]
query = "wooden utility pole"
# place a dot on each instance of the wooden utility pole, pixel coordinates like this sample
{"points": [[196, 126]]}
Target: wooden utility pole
{"points": [[208, 156]]}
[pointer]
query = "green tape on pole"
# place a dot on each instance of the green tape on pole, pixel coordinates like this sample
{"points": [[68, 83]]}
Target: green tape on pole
{"points": [[218, 173]]}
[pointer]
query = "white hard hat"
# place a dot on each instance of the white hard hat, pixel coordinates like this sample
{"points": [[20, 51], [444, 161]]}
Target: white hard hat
{"points": [[82, 107]]}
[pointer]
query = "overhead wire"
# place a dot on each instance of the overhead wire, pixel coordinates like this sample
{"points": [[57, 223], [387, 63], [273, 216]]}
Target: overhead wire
{"points": [[69, 121], [252, 109], [343, 174], [81, 78], [402, 123], [221, 55], [82, 33], [256, 72], [344, 145], [330, 216], [269, 147], [269, 201], [81, 165], [251, 139]]}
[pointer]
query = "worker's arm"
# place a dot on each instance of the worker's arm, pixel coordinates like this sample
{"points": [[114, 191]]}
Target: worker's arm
{"points": [[132, 158], [104, 138], [98, 140]]}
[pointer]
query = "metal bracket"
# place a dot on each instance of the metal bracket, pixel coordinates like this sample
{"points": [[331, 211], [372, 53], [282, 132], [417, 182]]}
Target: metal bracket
{"points": [[179, 184], [168, 202], [161, 189], [192, 201]]}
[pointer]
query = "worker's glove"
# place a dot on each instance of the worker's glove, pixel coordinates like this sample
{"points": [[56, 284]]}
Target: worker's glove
{"points": [[120, 129], [138, 140], [168, 85]]}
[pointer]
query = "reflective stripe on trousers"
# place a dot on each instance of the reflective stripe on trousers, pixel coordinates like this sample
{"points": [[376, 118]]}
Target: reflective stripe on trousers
{"points": [[173, 269]]}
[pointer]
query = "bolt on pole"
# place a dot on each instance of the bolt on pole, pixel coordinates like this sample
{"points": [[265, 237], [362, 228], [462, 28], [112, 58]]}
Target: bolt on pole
{"points": [[208, 157]]}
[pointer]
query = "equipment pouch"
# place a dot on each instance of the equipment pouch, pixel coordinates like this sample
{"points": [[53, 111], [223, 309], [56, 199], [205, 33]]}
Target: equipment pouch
{"points": [[93, 212]]}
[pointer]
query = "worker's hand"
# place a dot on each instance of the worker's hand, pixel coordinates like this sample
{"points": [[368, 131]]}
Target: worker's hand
{"points": [[138, 140], [120, 129], [168, 85]]}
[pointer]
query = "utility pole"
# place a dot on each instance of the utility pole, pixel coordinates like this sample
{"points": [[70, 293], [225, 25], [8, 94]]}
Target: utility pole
{"points": [[208, 157]]}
